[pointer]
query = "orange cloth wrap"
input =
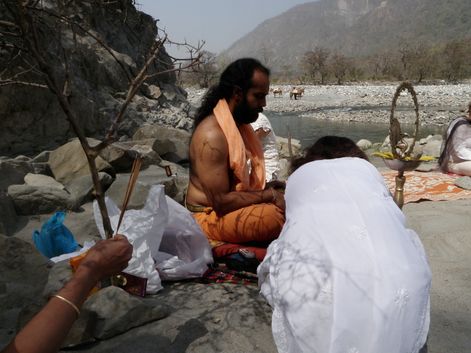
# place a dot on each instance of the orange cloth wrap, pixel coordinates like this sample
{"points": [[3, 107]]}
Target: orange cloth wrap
{"points": [[243, 145], [256, 223]]}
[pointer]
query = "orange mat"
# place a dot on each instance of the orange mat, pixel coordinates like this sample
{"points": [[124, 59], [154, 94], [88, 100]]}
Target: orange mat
{"points": [[434, 186]]}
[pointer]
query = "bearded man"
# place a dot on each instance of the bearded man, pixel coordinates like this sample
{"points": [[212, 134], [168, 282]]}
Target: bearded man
{"points": [[227, 192]]}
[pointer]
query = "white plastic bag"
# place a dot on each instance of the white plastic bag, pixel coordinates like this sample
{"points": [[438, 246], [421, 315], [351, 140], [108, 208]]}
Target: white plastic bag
{"points": [[144, 229], [184, 239], [165, 237]]}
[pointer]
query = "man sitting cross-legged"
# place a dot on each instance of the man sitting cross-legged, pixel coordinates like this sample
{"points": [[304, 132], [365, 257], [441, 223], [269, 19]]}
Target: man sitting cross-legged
{"points": [[227, 192]]}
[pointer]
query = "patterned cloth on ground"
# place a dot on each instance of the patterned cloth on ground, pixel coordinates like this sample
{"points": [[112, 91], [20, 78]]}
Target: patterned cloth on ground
{"points": [[434, 186]]}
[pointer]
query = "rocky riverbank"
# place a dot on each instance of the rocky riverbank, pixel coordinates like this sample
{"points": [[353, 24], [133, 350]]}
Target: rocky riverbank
{"points": [[438, 104]]}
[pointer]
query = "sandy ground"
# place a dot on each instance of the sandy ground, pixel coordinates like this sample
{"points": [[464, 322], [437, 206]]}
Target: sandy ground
{"points": [[445, 230]]}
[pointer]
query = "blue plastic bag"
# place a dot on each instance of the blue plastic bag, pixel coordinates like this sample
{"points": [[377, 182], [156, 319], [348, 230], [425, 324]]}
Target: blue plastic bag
{"points": [[55, 238]]}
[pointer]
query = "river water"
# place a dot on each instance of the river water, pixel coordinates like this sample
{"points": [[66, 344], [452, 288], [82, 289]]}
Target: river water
{"points": [[308, 130]]}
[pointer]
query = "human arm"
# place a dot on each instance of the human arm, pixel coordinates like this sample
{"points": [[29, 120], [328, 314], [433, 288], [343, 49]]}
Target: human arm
{"points": [[46, 331], [210, 167]]}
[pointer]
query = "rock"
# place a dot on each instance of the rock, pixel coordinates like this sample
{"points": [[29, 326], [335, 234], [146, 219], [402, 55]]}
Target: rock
{"points": [[175, 185], [31, 200], [117, 311], [33, 120], [432, 148], [464, 182], [42, 157], [69, 162], [283, 149], [8, 217], [40, 180], [284, 169], [82, 190], [170, 143], [13, 172], [364, 144], [24, 274]]}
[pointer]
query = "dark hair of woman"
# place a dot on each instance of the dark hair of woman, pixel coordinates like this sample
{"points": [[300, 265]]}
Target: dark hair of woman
{"points": [[237, 74], [329, 147]]}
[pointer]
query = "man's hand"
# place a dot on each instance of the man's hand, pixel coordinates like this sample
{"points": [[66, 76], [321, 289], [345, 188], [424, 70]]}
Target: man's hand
{"points": [[276, 184]]}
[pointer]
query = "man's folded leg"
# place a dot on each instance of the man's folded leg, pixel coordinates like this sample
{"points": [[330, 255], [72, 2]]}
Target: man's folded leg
{"points": [[259, 223]]}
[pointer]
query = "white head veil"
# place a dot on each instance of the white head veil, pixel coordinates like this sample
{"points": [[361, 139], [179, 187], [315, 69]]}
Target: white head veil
{"points": [[345, 275]]}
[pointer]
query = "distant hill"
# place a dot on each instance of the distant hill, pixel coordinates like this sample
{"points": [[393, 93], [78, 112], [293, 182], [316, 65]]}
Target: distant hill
{"points": [[353, 28]]}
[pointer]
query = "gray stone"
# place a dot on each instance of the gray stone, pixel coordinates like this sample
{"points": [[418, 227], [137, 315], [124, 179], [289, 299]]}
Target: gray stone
{"points": [[33, 120], [170, 143], [8, 217], [13, 172], [23, 275], [284, 169], [283, 149], [432, 148], [42, 157], [464, 182], [40, 180], [82, 190], [31, 200], [118, 311], [174, 185], [69, 162], [364, 144]]}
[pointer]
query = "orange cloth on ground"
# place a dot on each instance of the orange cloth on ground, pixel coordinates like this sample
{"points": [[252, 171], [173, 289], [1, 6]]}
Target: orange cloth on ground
{"points": [[257, 223], [243, 145]]}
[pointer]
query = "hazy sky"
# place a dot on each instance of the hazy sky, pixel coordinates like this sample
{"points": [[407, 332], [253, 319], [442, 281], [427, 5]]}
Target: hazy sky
{"points": [[218, 22]]}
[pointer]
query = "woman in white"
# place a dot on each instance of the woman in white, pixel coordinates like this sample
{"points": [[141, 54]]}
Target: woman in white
{"points": [[456, 154], [345, 275]]}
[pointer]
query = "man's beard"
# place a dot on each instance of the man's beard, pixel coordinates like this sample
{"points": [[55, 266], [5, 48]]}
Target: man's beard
{"points": [[244, 115]]}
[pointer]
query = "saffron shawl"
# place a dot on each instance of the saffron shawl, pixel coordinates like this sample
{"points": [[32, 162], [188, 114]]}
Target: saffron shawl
{"points": [[245, 151]]}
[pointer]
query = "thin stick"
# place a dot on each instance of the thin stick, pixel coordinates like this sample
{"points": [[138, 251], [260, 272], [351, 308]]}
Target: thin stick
{"points": [[136, 167]]}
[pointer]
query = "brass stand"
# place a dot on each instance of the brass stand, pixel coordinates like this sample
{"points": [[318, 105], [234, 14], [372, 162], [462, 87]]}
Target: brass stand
{"points": [[399, 191]]}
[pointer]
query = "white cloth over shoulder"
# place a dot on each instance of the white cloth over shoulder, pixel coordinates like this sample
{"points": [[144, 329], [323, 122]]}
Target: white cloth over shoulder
{"points": [[167, 242], [270, 150], [345, 275]]}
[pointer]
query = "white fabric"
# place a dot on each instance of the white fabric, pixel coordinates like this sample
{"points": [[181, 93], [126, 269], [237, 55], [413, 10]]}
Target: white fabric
{"points": [[345, 275], [460, 149], [164, 236], [270, 150]]}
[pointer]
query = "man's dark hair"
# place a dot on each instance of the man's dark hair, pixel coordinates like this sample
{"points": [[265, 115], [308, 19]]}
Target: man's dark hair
{"points": [[329, 147], [238, 74]]}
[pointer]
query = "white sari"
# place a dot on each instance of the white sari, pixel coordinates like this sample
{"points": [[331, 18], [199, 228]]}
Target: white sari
{"points": [[345, 275]]}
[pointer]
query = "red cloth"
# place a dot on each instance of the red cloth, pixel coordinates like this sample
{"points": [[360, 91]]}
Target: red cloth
{"points": [[229, 248]]}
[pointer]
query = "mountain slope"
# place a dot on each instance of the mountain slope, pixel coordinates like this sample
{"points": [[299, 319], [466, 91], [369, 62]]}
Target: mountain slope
{"points": [[354, 28]]}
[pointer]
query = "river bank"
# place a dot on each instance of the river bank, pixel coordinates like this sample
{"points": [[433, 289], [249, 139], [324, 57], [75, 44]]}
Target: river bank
{"points": [[368, 103]]}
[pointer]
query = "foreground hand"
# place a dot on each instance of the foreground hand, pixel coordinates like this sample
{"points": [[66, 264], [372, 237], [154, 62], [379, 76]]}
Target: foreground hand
{"points": [[279, 200], [108, 257]]}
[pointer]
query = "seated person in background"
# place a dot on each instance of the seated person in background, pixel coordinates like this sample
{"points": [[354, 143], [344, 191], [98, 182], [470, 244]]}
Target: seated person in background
{"points": [[456, 154], [345, 275], [46, 331], [264, 132], [227, 192]]}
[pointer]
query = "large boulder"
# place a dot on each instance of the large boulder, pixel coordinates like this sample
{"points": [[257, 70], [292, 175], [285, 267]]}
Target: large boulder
{"points": [[8, 217], [69, 162], [170, 143], [283, 147], [175, 185], [31, 118], [24, 274], [13, 172], [32, 200]]}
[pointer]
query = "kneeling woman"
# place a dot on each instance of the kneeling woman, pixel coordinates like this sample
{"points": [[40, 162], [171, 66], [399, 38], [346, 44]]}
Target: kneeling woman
{"points": [[345, 275]]}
